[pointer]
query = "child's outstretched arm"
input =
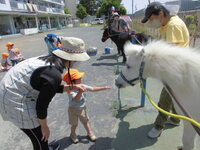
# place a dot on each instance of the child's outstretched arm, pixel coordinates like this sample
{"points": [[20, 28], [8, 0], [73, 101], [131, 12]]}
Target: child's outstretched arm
{"points": [[95, 89]]}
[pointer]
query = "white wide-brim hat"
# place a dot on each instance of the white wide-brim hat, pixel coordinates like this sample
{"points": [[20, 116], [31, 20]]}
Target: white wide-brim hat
{"points": [[72, 49]]}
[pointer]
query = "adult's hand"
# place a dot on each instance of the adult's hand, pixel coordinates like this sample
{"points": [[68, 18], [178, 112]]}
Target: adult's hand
{"points": [[78, 87], [45, 133], [44, 129]]}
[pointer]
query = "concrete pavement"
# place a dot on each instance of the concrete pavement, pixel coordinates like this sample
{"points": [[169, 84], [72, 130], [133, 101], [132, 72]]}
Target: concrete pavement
{"points": [[124, 129]]}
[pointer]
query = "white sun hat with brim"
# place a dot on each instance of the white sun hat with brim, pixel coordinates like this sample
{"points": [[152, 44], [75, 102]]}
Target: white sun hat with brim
{"points": [[72, 49]]}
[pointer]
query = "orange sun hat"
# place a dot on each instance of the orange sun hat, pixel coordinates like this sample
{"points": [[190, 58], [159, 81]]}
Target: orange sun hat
{"points": [[74, 74], [4, 55], [9, 44]]}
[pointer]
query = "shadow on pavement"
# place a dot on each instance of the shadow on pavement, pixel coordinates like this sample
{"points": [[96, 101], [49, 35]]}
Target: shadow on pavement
{"points": [[129, 138], [66, 141], [121, 113], [132, 138], [108, 64], [115, 57], [102, 143]]}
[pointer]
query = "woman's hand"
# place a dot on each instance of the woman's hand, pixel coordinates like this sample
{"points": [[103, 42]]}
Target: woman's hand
{"points": [[77, 87], [45, 133], [44, 129]]}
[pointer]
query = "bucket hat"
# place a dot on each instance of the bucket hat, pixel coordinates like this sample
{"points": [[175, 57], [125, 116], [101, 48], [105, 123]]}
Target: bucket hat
{"points": [[72, 49]]}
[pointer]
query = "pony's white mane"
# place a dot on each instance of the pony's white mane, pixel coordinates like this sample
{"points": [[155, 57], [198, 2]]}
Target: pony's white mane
{"points": [[170, 63], [129, 48], [164, 49]]}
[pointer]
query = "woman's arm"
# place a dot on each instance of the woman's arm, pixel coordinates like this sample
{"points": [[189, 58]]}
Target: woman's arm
{"points": [[47, 92]]}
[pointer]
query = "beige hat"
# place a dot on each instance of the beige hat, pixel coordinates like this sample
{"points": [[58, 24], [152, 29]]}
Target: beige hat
{"points": [[73, 49]]}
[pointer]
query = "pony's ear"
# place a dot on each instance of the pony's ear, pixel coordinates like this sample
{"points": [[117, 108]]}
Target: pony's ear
{"points": [[130, 48]]}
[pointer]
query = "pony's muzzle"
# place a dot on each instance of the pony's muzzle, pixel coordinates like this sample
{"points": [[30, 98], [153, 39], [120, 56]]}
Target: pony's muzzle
{"points": [[103, 39]]}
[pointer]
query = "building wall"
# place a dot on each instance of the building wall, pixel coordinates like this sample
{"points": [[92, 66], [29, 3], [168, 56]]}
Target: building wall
{"points": [[5, 6], [20, 14], [71, 5], [6, 25]]}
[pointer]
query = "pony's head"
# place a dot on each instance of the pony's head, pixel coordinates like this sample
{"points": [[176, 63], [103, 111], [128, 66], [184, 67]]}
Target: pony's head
{"points": [[105, 35], [130, 73]]}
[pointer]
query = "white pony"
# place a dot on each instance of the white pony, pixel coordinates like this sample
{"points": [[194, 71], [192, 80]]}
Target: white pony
{"points": [[176, 66]]}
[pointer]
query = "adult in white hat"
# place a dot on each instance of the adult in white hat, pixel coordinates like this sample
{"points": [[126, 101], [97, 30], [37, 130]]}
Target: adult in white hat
{"points": [[27, 89]]}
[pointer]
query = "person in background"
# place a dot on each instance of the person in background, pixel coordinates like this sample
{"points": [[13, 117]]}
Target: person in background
{"points": [[117, 24], [12, 56], [77, 104], [19, 55], [173, 30], [27, 89], [4, 62], [53, 42]]}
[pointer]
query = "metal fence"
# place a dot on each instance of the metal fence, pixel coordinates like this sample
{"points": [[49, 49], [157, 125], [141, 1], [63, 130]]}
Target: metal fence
{"points": [[195, 28]]}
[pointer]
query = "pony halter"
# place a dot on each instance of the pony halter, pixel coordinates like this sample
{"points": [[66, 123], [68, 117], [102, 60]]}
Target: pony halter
{"points": [[141, 70]]}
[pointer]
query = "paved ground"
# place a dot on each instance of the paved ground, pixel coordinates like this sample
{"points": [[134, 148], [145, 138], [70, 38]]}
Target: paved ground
{"points": [[124, 129]]}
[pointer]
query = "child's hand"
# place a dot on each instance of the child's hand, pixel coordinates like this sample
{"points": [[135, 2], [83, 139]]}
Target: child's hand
{"points": [[107, 87], [81, 90]]}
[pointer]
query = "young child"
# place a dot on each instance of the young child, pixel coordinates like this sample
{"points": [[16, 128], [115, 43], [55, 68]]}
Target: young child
{"points": [[20, 57], [11, 51], [77, 106], [4, 62]]}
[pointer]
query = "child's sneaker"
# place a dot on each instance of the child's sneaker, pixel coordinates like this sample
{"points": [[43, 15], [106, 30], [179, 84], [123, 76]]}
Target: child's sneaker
{"points": [[92, 138], [74, 139]]}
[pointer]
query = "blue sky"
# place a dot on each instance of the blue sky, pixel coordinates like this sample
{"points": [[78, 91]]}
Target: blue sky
{"points": [[139, 4]]}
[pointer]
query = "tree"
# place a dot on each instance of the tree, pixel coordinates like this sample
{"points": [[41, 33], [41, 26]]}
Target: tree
{"points": [[90, 6], [67, 11], [122, 10], [106, 4], [81, 12]]}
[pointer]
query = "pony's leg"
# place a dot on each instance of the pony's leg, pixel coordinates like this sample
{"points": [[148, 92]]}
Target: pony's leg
{"points": [[188, 138]]}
